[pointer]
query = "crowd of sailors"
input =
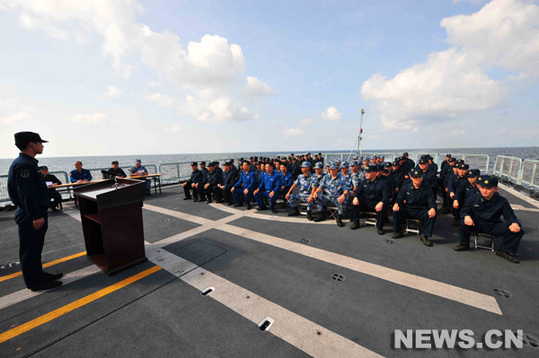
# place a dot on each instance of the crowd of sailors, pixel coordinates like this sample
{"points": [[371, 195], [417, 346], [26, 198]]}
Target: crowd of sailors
{"points": [[365, 186]]}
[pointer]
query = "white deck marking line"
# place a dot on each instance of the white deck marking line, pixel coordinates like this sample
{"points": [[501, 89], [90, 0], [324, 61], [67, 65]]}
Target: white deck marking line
{"points": [[519, 195], [178, 214], [454, 293], [25, 294], [258, 215], [298, 331], [520, 207]]}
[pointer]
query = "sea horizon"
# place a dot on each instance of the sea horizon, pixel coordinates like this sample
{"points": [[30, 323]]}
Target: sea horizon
{"points": [[65, 163]]}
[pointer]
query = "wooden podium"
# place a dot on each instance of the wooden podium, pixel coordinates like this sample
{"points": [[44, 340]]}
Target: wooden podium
{"points": [[111, 214]]}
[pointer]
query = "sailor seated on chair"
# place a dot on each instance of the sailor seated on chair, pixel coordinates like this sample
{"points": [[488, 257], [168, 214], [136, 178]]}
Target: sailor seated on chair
{"points": [[482, 214], [416, 200], [305, 184], [372, 194], [269, 188], [213, 179], [335, 191], [244, 188], [452, 186], [466, 188]]}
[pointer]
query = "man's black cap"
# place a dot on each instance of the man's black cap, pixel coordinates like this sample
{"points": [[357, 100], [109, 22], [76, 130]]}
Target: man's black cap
{"points": [[114, 162], [194, 164], [43, 168], [23, 138], [202, 163]]}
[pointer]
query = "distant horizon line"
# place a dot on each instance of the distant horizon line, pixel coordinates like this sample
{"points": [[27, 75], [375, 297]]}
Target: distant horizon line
{"points": [[281, 151]]}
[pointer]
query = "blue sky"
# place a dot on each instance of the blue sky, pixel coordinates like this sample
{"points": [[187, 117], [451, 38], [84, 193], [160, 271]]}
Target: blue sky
{"points": [[126, 77]]}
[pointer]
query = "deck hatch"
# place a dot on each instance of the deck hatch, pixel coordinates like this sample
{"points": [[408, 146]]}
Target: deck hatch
{"points": [[338, 277]]}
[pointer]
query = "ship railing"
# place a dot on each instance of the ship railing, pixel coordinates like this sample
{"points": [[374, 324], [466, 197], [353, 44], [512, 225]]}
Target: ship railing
{"points": [[508, 169]]}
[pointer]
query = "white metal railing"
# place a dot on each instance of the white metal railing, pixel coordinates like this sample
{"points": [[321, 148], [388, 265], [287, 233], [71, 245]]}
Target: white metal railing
{"points": [[529, 174], [508, 169]]}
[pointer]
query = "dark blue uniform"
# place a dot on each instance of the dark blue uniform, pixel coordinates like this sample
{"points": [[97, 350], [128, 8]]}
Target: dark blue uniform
{"points": [[56, 197], [196, 177], [415, 204], [28, 191], [369, 194], [246, 181], [486, 215], [214, 178], [270, 182], [229, 180], [76, 176]]}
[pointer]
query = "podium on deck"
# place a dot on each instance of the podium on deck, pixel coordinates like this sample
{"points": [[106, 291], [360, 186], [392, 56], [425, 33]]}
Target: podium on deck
{"points": [[111, 214]]}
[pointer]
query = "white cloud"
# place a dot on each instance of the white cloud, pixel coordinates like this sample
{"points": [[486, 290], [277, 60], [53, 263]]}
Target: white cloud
{"points": [[503, 34], [175, 128], [31, 23], [218, 110], [255, 86], [288, 132], [89, 119], [161, 100], [307, 121], [331, 114], [154, 84], [112, 92], [11, 111], [208, 69]]}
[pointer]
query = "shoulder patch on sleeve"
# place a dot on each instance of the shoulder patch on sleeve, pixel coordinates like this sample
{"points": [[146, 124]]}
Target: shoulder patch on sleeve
{"points": [[24, 173]]}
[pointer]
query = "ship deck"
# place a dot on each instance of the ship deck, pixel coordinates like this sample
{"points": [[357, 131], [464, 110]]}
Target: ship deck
{"points": [[328, 291]]}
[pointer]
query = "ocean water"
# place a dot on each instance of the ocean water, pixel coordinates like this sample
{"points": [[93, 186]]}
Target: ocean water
{"points": [[66, 164]]}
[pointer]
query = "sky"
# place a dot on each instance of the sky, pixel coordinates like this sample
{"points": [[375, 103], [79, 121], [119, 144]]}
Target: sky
{"points": [[163, 77]]}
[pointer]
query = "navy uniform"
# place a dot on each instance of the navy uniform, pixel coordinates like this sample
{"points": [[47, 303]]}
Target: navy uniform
{"points": [[230, 178], [452, 186], [113, 172], [213, 179], [28, 191], [269, 183], [486, 217], [305, 184], [415, 203], [467, 188], [369, 193], [328, 193], [247, 181], [49, 178], [195, 178], [409, 164]]}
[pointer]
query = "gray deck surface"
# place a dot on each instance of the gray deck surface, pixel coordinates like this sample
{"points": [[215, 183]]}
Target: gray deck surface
{"points": [[163, 315]]}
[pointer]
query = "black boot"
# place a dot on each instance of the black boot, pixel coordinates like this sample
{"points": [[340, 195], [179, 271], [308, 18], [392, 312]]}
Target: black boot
{"points": [[321, 217], [339, 221], [294, 212], [310, 215]]}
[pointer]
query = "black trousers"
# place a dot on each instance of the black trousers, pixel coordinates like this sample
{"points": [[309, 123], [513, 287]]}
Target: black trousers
{"points": [[510, 242], [56, 198], [31, 246], [413, 213], [189, 190], [228, 194], [366, 205], [215, 191]]}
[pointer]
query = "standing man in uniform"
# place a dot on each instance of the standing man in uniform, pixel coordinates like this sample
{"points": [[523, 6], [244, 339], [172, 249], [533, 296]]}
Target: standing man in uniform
{"points": [[28, 191]]}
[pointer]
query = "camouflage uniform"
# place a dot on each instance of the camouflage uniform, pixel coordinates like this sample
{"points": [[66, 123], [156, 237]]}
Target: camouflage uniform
{"points": [[305, 185], [332, 188]]}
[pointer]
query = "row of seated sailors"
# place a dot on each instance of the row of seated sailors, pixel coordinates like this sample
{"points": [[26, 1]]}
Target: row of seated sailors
{"points": [[408, 194]]}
